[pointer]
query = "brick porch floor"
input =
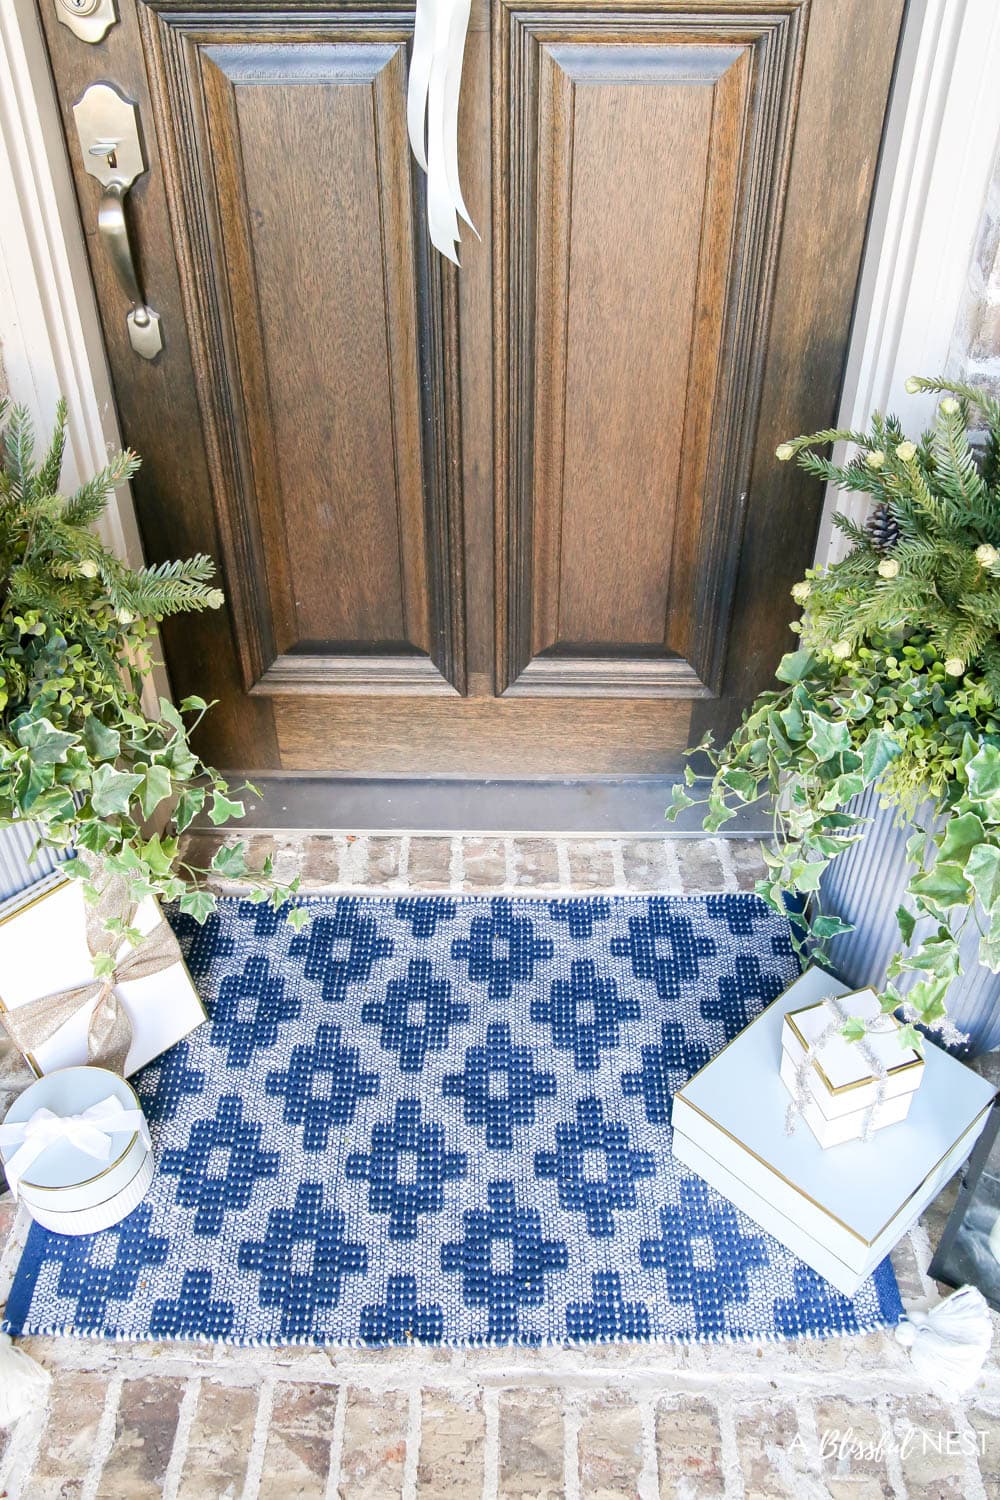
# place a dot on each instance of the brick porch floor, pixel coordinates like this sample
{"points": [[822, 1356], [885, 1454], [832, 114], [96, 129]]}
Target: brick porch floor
{"points": [[126, 1422]]}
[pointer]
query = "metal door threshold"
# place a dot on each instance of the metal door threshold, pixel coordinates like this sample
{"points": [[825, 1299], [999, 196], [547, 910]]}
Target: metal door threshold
{"points": [[599, 807]]}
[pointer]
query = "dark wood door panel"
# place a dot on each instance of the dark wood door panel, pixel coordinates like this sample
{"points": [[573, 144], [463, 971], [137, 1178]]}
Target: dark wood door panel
{"points": [[561, 455], [485, 737], [644, 154], [320, 330]]}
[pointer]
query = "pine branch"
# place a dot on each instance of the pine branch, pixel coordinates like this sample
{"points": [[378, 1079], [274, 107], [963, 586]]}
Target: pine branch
{"points": [[19, 448], [91, 499], [170, 587], [47, 482]]}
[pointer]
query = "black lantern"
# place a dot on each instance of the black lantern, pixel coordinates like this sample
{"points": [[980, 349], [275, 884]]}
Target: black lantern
{"points": [[970, 1246]]}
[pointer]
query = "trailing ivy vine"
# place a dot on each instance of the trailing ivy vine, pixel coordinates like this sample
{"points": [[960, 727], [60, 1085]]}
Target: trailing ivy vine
{"points": [[895, 686], [80, 757]]}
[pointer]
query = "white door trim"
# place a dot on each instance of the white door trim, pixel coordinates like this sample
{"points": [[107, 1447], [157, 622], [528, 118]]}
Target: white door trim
{"points": [[938, 157], [50, 336]]}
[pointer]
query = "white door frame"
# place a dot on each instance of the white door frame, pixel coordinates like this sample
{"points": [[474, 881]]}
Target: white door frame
{"points": [[937, 160], [939, 155]]}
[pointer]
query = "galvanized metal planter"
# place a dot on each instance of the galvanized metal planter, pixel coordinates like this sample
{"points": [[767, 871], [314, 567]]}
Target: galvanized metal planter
{"points": [[865, 886], [16, 872]]}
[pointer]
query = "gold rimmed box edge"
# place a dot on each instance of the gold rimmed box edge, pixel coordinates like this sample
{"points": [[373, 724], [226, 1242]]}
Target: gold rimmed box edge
{"points": [[856, 1083], [820, 1207]]}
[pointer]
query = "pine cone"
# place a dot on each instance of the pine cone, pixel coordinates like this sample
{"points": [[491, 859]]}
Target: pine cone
{"points": [[882, 528]]}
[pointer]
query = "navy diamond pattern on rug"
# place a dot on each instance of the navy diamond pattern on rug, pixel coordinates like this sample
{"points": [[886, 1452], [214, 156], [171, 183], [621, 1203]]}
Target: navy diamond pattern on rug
{"points": [[445, 1120]]}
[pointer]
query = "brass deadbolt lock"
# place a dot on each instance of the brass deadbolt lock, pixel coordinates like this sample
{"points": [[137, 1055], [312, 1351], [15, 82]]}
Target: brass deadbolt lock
{"points": [[88, 19]]}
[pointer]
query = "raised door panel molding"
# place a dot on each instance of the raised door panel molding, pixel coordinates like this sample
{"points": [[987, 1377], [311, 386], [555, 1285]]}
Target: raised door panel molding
{"points": [[640, 162], [331, 419]]}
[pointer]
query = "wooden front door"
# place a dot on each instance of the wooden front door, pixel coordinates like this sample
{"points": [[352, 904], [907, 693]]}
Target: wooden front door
{"points": [[518, 519]]}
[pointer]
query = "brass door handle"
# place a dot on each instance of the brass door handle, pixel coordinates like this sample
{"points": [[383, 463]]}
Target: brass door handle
{"points": [[108, 127]]}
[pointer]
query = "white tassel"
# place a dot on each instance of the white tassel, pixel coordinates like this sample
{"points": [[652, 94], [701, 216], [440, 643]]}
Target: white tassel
{"points": [[23, 1382], [949, 1344]]}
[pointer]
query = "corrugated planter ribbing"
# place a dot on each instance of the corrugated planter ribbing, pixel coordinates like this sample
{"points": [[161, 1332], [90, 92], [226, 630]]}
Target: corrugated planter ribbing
{"points": [[865, 885]]}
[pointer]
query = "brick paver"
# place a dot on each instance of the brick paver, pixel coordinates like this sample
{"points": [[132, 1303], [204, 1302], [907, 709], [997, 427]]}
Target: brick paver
{"points": [[848, 1419]]}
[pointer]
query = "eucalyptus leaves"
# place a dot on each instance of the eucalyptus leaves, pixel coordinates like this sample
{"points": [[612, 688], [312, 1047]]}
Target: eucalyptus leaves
{"points": [[79, 756], [896, 685]]}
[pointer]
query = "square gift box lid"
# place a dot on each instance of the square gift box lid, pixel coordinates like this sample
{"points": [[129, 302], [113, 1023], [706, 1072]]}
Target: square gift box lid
{"points": [[43, 948], [840, 1066], [862, 1185]]}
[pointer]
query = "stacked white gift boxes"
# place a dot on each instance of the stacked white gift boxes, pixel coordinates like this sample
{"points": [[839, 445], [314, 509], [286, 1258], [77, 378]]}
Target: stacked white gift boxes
{"points": [[840, 1095], [840, 1209], [91, 1173]]}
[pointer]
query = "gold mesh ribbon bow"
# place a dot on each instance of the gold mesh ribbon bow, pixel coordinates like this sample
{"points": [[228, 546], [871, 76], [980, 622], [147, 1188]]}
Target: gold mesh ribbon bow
{"points": [[109, 1031]]}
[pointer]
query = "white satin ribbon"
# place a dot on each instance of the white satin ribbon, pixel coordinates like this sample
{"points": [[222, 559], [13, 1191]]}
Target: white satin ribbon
{"points": [[439, 34], [89, 1131]]}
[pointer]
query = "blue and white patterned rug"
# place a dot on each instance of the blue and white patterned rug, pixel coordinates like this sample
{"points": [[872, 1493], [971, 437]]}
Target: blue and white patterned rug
{"points": [[445, 1120]]}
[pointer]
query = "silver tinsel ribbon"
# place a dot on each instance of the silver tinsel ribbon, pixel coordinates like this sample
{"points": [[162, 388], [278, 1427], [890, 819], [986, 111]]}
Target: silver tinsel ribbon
{"points": [[803, 1094]]}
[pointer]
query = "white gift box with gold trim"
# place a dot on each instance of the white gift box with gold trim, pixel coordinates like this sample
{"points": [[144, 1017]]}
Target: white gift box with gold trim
{"points": [[840, 1211], [43, 948], [841, 1088], [65, 1188]]}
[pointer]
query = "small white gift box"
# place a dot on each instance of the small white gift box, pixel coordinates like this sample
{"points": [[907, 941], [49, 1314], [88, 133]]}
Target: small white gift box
{"points": [[44, 950], [840, 1211], [75, 1147], [839, 1085]]}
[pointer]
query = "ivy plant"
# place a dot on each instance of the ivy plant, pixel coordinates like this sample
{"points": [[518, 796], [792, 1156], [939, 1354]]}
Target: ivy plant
{"points": [[81, 758], [895, 686]]}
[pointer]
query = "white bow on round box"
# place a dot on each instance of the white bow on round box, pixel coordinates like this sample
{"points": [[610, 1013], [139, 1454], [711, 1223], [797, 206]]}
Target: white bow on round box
{"points": [[76, 1150]]}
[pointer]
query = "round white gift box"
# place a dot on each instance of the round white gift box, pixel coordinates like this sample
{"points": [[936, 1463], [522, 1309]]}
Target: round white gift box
{"points": [[65, 1189]]}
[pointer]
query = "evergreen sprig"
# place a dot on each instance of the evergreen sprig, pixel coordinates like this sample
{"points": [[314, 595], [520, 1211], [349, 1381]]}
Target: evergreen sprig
{"points": [[896, 687], [79, 756]]}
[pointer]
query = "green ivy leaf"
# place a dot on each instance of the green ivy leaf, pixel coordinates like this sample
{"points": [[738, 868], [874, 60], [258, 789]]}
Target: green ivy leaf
{"points": [[961, 836], [906, 922], [230, 862], [795, 666], [193, 704], [842, 790], [743, 783], [827, 738], [102, 743], [93, 835], [853, 1029], [928, 999], [156, 788], [159, 855], [679, 800], [298, 918], [189, 805], [945, 885], [909, 1036], [826, 927], [48, 745], [112, 791], [793, 720], [982, 869], [877, 754], [104, 965], [222, 809], [989, 946], [198, 904], [169, 715], [983, 776], [807, 875]]}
